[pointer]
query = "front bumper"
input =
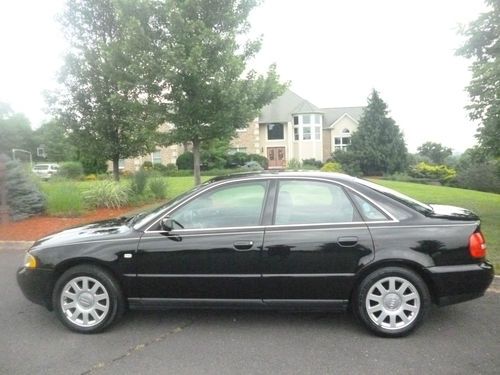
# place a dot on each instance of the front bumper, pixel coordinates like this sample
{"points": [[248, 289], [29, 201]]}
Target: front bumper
{"points": [[36, 285], [454, 284]]}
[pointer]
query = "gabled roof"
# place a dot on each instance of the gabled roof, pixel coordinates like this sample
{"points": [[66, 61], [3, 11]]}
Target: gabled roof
{"points": [[282, 108], [331, 115]]}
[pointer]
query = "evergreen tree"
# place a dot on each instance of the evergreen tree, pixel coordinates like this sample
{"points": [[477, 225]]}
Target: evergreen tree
{"points": [[378, 145]]}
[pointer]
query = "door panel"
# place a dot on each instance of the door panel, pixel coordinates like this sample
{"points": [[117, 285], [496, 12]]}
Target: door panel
{"points": [[200, 265]]}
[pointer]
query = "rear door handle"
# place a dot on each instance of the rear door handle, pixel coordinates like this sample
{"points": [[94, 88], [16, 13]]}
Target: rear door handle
{"points": [[347, 241], [243, 245]]}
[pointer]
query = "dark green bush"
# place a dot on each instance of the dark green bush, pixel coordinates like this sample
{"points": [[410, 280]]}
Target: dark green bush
{"points": [[312, 163], [236, 160], [71, 169], [262, 160], [92, 165], [139, 181], [185, 161], [483, 177], [23, 195], [147, 165]]}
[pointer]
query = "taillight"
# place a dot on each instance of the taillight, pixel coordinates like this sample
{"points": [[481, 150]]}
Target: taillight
{"points": [[477, 245]]}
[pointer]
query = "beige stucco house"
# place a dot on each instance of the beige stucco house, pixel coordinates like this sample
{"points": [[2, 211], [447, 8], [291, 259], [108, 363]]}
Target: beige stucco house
{"points": [[290, 127]]}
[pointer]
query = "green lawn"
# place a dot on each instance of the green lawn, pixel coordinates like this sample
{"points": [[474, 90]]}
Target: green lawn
{"points": [[486, 205]]}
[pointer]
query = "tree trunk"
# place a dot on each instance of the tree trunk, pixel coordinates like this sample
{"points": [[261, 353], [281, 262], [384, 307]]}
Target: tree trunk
{"points": [[116, 167], [196, 159]]}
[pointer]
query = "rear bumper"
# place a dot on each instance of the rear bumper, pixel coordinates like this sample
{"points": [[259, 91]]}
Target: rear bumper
{"points": [[454, 284], [36, 285]]}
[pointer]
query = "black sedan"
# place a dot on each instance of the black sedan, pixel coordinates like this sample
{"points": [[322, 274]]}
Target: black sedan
{"points": [[315, 241]]}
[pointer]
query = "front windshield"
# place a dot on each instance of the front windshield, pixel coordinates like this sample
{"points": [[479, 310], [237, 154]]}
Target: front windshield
{"points": [[404, 199], [142, 218]]}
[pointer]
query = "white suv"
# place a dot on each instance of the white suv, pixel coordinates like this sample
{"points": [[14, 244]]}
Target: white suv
{"points": [[45, 171]]}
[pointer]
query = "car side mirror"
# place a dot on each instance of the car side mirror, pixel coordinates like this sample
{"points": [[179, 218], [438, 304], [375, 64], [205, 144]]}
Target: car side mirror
{"points": [[167, 224]]}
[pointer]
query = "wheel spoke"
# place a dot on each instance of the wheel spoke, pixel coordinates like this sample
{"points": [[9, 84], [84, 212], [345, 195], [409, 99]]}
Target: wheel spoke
{"points": [[409, 297], [392, 284], [392, 321]]}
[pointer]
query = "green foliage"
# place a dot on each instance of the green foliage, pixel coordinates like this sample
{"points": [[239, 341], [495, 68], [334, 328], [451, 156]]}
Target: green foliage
{"points": [[331, 166], [317, 164], [109, 194], [23, 195], [15, 132], [107, 75], [436, 152], [57, 146], [482, 46], [210, 91], [237, 159], [378, 145], [158, 187], [64, 199], [481, 176], [262, 160], [442, 173], [70, 169], [147, 165], [139, 181], [294, 165], [348, 162], [93, 164], [185, 161]]}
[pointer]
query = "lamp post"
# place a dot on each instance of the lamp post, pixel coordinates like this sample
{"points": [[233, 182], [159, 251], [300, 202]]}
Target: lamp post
{"points": [[14, 150]]}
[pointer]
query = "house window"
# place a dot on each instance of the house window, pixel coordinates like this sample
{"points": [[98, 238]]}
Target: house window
{"points": [[121, 163], [341, 143], [156, 157], [306, 119], [296, 133], [275, 131], [317, 133], [295, 120], [317, 119], [306, 133]]}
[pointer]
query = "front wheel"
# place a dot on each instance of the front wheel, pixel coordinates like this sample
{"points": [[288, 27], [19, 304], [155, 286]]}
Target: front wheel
{"points": [[87, 299], [392, 301]]}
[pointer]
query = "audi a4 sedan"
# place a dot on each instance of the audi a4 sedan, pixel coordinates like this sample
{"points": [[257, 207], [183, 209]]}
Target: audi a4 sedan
{"points": [[266, 240]]}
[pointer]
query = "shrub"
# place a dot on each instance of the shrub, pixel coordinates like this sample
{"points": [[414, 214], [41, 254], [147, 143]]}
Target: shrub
{"points": [[294, 164], [164, 169], [312, 163], [185, 161], [109, 194], [331, 166], [158, 187], [90, 177], [483, 177], [147, 165], [63, 199], [139, 182], [237, 159], [71, 169], [23, 195], [441, 173], [262, 160], [93, 165]]}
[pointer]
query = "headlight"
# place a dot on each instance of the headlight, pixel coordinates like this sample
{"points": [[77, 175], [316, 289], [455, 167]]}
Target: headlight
{"points": [[29, 261]]}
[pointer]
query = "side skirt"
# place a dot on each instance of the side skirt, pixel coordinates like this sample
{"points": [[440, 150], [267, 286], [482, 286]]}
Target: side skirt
{"points": [[236, 304]]}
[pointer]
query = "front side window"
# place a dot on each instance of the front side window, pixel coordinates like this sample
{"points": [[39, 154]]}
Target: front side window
{"points": [[312, 202], [275, 131], [236, 205]]}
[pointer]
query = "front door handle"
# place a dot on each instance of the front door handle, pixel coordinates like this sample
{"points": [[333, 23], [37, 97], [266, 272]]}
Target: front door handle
{"points": [[243, 245], [347, 241]]}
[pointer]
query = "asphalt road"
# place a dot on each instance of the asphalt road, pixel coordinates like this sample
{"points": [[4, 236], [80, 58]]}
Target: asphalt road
{"points": [[460, 339]]}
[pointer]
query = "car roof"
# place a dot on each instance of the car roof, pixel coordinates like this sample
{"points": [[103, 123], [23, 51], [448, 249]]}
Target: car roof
{"points": [[277, 174]]}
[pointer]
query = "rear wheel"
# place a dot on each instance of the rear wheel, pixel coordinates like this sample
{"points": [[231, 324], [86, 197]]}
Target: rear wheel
{"points": [[87, 299], [392, 301]]}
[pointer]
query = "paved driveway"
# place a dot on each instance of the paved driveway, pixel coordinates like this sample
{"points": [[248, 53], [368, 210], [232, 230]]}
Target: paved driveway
{"points": [[460, 339]]}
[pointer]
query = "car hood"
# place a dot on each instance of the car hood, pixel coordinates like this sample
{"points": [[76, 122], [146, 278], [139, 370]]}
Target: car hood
{"points": [[452, 213], [101, 230]]}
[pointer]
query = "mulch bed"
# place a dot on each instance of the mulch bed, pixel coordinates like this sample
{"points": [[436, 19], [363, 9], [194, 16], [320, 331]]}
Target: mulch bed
{"points": [[37, 227]]}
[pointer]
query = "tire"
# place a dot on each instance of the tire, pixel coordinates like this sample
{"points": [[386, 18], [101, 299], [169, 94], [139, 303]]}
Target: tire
{"points": [[87, 299], [392, 301]]}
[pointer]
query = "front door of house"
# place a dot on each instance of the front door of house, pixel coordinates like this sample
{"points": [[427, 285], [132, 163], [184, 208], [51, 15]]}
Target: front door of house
{"points": [[276, 157]]}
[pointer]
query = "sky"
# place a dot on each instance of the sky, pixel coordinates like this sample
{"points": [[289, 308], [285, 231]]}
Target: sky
{"points": [[333, 53]]}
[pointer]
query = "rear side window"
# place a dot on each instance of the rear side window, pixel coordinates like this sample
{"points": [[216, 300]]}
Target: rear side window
{"points": [[312, 202], [368, 210]]}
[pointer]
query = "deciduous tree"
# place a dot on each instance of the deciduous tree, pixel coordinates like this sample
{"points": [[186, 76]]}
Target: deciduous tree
{"points": [[436, 152]]}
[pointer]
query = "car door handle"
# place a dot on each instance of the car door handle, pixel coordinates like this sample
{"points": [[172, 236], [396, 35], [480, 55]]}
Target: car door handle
{"points": [[243, 245], [347, 241]]}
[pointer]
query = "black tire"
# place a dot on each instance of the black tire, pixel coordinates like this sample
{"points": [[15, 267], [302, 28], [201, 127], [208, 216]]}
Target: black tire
{"points": [[89, 304], [396, 312]]}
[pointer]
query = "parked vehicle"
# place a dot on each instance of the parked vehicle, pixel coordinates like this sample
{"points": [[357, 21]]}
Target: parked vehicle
{"points": [[45, 170], [267, 241]]}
